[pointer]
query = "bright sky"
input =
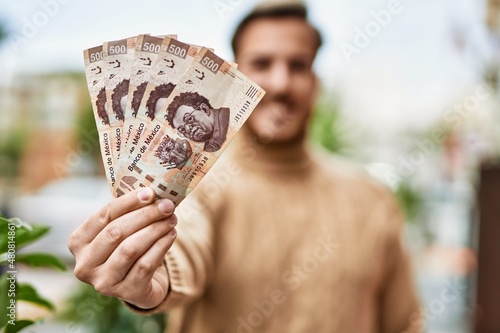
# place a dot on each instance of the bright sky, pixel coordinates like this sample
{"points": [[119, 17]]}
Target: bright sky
{"points": [[409, 67]]}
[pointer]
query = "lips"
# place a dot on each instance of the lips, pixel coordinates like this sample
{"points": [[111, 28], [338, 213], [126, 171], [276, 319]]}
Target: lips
{"points": [[198, 132], [282, 113]]}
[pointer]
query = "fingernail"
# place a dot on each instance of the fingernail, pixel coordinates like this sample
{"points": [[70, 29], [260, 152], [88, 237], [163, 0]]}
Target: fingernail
{"points": [[172, 220], [166, 206], [145, 194], [172, 233]]}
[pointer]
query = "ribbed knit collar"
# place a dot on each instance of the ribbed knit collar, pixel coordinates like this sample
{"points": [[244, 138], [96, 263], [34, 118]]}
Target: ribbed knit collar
{"points": [[252, 154]]}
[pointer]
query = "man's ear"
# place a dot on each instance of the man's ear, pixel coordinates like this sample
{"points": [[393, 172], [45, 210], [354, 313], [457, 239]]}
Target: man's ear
{"points": [[205, 108]]}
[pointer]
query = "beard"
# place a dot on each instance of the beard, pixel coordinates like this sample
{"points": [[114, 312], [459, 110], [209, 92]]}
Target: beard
{"points": [[279, 122]]}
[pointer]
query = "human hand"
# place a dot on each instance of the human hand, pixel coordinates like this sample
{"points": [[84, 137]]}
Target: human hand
{"points": [[120, 250]]}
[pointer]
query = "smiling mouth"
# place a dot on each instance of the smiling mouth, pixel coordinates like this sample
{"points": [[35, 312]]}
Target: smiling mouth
{"points": [[282, 114], [197, 132]]}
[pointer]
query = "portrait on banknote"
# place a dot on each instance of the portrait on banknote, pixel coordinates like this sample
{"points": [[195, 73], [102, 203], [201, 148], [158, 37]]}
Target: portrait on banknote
{"points": [[192, 115]]}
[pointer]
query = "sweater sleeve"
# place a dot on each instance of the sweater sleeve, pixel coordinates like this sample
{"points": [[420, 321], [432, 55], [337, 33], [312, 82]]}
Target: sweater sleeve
{"points": [[399, 302], [189, 261]]}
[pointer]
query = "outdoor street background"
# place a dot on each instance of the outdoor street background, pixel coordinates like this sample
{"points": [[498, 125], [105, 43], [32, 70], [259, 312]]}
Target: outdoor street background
{"points": [[409, 91]]}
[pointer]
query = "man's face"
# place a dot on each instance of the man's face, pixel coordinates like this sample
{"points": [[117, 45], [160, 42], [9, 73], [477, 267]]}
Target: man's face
{"points": [[277, 53], [195, 124]]}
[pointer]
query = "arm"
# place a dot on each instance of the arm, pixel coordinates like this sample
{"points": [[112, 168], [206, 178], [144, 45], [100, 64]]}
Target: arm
{"points": [[399, 302]]}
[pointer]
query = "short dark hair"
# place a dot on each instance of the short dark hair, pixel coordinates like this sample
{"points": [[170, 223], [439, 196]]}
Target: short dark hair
{"points": [[101, 106], [119, 92], [192, 99], [297, 10], [160, 91]]}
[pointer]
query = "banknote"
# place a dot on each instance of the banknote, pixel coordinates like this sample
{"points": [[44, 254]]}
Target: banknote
{"points": [[146, 52], [117, 57], [172, 62], [94, 64], [192, 128]]}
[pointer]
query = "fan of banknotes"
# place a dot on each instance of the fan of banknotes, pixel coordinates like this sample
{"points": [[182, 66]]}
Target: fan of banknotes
{"points": [[165, 111]]}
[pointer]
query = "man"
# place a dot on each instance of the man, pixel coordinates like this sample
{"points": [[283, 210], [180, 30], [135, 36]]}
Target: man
{"points": [[193, 116], [271, 240]]}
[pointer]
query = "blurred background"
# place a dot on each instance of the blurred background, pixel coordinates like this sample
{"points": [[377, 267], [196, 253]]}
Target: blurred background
{"points": [[410, 91]]}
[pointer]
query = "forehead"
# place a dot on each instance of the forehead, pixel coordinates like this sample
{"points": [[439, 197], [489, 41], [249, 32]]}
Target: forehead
{"points": [[183, 109], [289, 36], [179, 114]]}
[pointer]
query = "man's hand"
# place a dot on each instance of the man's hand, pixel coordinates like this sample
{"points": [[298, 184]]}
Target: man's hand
{"points": [[120, 250]]}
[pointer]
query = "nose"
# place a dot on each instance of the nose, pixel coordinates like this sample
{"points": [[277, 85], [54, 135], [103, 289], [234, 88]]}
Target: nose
{"points": [[279, 79]]}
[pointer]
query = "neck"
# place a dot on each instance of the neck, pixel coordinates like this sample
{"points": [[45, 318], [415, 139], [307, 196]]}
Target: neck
{"points": [[254, 154]]}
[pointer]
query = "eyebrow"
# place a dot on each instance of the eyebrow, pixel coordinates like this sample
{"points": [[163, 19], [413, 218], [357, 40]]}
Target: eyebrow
{"points": [[257, 54]]}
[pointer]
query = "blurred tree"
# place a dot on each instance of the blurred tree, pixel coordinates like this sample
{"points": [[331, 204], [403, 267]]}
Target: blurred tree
{"points": [[86, 130], [410, 201], [330, 131], [11, 150], [102, 314], [3, 33], [327, 125]]}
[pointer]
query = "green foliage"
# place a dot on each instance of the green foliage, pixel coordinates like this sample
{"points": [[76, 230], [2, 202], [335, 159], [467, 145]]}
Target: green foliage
{"points": [[86, 130], [102, 314], [41, 259], [25, 233], [15, 235], [26, 292], [20, 324], [410, 201], [326, 128], [12, 147], [3, 33]]}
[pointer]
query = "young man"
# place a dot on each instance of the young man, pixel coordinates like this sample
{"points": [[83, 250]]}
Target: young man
{"points": [[271, 240]]}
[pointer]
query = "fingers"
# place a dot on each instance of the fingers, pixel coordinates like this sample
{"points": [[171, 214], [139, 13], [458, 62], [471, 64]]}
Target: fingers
{"points": [[118, 207], [141, 271], [135, 246], [123, 227], [120, 249], [150, 274], [146, 283]]}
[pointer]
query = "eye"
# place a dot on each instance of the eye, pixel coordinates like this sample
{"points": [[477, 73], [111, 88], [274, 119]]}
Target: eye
{"points": [[188, 118], [299, 65], [260, 64]]}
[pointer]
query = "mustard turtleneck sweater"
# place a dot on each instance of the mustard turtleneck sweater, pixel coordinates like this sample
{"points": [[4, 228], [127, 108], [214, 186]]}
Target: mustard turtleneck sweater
{"points": [[272, 240]]}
